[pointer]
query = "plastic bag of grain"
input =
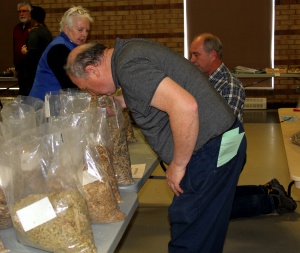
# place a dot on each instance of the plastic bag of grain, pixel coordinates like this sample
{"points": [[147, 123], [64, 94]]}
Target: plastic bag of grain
{"points": [[116, 125], [52, 215], [97, 183]]}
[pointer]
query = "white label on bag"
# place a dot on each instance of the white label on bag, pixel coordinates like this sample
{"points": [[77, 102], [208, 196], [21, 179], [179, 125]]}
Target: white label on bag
{"points": [[47, 106], [36, 214], [88, 178]]}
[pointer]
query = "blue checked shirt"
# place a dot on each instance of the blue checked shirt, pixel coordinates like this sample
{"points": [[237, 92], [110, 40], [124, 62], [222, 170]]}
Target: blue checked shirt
{"points": [[230, 88]]}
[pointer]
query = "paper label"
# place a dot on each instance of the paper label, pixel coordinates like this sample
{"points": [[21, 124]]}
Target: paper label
{"points": [[138, 170], [47, 106], [230, 143], [88, 178], [36, 214]]}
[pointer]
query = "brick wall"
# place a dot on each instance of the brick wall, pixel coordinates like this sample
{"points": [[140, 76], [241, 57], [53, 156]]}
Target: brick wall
{"points": [[162, 21]]}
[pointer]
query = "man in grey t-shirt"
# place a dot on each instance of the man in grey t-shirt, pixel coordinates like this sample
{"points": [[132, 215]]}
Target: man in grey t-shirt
{"points": [[185, 121]]}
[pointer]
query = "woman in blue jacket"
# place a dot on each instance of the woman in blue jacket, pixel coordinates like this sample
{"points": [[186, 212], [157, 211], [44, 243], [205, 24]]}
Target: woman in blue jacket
{"points": [[50, 74]]}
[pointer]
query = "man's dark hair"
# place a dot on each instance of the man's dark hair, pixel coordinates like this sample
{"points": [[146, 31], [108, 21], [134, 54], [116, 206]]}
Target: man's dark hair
{"points": [[211, 43], [90, 55]]}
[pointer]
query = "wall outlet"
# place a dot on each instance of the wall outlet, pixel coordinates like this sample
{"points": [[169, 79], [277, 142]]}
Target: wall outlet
{"points": [[298, 89]]}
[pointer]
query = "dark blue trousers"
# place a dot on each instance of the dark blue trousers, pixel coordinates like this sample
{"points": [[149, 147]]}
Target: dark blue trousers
{"points": [[251, 200], [199, 217]]}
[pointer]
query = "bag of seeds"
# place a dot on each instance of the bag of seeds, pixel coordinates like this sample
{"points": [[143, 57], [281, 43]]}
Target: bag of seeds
{"points": [[102, 204], [97, 183], [5, 220], [99, 136], [128, 126], [44, 195], [127, 120], [116, 125]]}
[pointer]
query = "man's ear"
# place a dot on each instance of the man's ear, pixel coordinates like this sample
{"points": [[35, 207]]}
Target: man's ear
{"points": [[92, 70], [214, 54]]}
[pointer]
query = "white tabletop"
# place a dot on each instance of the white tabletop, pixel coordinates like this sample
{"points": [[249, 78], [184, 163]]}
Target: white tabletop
{"points": [[290, 124]]}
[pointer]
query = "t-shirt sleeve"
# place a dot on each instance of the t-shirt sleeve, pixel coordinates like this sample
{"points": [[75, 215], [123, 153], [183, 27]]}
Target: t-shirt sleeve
{"points": [[57, 58]]}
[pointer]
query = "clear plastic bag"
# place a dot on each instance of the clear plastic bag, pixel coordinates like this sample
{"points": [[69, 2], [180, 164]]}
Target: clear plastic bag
{"points": [[99, 136], [5, 220], [97, 183], [66, 101], [116, 125], [102, 204], [21, 114], [44, 195]]}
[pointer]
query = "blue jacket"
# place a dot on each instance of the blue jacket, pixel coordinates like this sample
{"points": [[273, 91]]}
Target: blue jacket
{"points": [[45, 79]]}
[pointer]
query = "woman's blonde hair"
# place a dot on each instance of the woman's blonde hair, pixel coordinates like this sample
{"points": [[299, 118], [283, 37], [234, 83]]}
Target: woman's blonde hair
{"points": [[70, 14]]}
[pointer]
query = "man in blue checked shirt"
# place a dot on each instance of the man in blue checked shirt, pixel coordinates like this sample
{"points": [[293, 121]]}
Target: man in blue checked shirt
{"points": [[249, 200]]}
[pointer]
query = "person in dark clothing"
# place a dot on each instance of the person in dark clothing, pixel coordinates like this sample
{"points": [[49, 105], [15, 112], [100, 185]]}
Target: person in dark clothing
{"points": [[50, 74], [38, 39], [20, 35]]}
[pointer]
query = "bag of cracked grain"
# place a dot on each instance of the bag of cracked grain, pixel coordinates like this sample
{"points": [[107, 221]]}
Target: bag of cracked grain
{"points": [[93, 125], [128, 126], [5, 220], [97, 182], [99, 137], [116, 125], [102, 204], [52, 215], [127, 120]]}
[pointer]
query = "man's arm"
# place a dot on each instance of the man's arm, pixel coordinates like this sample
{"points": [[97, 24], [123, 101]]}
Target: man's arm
{"points": [[182, 110]]}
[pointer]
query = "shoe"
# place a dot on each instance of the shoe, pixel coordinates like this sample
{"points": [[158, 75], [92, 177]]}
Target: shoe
{"points": [[274, 186], [283, 201]]}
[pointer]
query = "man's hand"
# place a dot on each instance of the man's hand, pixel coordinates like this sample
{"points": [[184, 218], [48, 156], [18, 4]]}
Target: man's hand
{"points": [[174, 176]]}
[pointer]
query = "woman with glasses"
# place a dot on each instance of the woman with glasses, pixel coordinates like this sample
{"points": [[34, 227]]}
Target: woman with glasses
{"points": [[50, 74], [20, 35]]}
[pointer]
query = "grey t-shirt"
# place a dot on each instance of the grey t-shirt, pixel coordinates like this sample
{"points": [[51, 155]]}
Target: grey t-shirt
{"points": [[138, 67]]}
